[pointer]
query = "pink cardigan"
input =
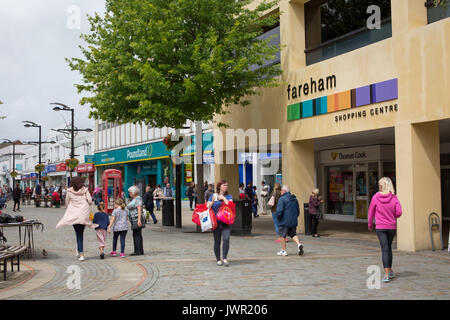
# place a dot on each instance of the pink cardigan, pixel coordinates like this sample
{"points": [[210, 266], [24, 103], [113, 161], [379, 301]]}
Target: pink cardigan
{"points": [[78, 209]]}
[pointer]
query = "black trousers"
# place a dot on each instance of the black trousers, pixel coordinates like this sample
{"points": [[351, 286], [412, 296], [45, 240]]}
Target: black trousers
{"points": [[16, 201], [138, 241], [222, 232], [386, 237], [315, 223], [191, 200]]}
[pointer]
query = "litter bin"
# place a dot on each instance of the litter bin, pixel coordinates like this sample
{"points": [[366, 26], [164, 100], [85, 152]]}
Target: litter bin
{"points": [[243, 223], [308, 219], [168, 212]]}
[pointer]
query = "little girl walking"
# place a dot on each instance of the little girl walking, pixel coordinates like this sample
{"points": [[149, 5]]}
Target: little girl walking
{"points": [[120, 227], [102, 219]]}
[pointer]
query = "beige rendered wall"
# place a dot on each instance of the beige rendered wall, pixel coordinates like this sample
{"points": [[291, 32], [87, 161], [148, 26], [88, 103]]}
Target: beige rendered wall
{"points": [[417, 54]]}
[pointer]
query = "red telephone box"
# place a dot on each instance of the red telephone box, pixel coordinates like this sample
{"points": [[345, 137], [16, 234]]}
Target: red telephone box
{"points": [[112, 188]]}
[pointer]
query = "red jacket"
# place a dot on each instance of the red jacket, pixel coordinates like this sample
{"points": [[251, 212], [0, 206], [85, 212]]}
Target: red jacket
{"points": [[55, 196]]}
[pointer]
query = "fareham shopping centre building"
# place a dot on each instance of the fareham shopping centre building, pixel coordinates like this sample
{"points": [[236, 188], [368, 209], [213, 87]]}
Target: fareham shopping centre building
{"points": [[356, 104]]}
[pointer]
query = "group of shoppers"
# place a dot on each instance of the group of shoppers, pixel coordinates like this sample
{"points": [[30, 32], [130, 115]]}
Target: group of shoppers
{"points": [[384, 211], [77, 214]]}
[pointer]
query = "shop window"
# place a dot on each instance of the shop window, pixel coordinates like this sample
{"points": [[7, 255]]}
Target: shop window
{"points": [[335, 27], [272, 33], [437, 12], [339, 190]]}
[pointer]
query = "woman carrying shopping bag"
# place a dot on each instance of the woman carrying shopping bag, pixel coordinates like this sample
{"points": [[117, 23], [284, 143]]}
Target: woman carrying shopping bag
{"points": [[222, 232]]}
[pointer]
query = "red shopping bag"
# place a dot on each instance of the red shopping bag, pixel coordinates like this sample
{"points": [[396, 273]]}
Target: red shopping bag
{"points": [[227, 213], [198, 208]]}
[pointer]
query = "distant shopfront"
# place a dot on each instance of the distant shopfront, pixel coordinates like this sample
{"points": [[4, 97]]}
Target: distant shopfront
{"points": [[350, 179], [148, 164]]}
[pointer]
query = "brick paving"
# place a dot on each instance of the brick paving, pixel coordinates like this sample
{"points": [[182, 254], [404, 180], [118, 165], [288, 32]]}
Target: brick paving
{"points": [[180, 264]]}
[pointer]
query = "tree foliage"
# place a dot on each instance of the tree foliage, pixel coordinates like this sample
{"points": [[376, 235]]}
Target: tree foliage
{"points": [[163, 62]]}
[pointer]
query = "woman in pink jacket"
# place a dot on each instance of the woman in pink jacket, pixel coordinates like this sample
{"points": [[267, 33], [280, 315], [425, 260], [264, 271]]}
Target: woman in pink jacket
{"points": [[386, 209], [78, 201]]}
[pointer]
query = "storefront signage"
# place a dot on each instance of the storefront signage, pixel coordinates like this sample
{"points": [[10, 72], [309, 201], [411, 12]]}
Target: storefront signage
{"points": [[377, 111], [51, 168], [85, 167], [61, 167], [363, 96], [363, 154], [311, 87], [89, 159], [140, 152]]}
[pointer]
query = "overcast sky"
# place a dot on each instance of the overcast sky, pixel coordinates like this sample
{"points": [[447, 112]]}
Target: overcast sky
{"points": [[35, 38]]}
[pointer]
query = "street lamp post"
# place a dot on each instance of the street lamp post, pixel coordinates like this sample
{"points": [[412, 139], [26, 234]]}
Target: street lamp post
{"points": [[72, 130]]}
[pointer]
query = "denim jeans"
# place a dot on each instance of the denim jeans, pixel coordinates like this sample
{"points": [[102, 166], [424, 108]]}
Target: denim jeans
{"points": [[123, 235], [275, 223], [158, 204], [79, 230]]}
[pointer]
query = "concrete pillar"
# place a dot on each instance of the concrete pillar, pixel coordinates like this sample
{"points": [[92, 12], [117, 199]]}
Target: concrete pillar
{"points": [[407, 15], [292, 18], [298, 173], [417, 165], [228, 172]]}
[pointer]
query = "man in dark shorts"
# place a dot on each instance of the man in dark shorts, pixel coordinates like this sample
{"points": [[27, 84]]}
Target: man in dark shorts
{"points": [[288, 211]]}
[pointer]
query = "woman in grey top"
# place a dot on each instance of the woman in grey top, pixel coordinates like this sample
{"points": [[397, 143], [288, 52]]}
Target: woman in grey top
{"points": [[137, 220]]}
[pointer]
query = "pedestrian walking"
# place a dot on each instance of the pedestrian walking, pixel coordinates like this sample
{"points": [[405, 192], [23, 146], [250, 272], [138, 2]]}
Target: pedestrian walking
{"points": [[168, 192], [223, 231], [119, 225], [158, 194], [209, 192], [102, 219], [272, 204], [288, 211], [149, 204], [255, 203], [137, 220], [190, 194], [17, 194], [385, 209], [37, 195], [264, 196], [314, 210], [78, 201]]}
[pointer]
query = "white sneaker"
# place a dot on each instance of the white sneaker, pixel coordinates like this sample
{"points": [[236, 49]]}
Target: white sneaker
{"points": [[220, 263], [282, 253], [81, 258]]}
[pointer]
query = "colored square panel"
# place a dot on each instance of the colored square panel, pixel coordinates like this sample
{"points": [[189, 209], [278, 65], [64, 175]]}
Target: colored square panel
{"points": [[345, 100], [384, 91], [293, 112], [362, 96], [321, 105], [307, 109], [332, 103]]}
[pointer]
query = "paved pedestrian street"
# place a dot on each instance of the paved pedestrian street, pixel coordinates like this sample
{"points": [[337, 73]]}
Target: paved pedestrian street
{"points": [[179, 264]]}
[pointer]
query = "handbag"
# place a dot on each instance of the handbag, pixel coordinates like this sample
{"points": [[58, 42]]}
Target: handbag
{"points": [[207, 220], [271, 202], [227, 213]]}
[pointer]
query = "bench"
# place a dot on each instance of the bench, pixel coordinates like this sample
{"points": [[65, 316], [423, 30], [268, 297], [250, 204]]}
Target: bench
{"points": [[9, 253]]}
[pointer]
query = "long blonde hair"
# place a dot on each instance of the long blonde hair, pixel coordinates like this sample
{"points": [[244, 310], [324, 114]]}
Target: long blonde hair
{"points": [[386, 185], [120, 203]]}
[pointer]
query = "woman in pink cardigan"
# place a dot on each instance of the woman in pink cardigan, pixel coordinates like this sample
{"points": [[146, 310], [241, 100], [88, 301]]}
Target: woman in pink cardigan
{"points": [[386, 209], [78, 201]]}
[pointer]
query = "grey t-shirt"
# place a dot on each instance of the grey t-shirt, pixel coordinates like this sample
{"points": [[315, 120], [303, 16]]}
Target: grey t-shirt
{"points": [[120, 223]]}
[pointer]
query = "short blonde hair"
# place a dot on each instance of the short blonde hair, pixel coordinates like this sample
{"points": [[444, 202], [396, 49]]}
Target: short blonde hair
{"points": [[386, 185], [134, 190], [315, 191]]}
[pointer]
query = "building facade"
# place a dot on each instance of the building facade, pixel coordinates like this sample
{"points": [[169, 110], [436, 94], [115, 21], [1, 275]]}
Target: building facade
{"points": [[139, 153], [358, 100]]}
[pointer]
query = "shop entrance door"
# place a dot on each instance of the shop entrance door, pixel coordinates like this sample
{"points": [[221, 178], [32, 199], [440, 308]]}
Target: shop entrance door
{"points": [[360, 196], [152, 180], [445, 191]]}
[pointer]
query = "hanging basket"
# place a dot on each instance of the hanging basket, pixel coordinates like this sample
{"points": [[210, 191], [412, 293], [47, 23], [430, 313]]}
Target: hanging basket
{"points": [[72, 163], [39, 167], [44, 179], [13, 174], [169, 143]]}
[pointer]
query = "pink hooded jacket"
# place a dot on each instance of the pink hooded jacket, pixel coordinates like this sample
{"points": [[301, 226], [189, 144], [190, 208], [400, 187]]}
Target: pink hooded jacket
{"points": [[78, 209], [386, 209]]}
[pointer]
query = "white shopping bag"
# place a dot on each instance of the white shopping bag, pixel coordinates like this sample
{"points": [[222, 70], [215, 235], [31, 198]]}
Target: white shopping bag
{"points": [[205, 221]]}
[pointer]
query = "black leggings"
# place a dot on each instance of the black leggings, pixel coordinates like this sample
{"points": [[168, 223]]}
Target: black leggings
{"points": [[16, 201], [222, 232], [315, 223], [122, 235], [386, 237]]}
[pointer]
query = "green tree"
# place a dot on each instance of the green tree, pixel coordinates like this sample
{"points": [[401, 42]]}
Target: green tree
{"points": [[163, 62]]}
